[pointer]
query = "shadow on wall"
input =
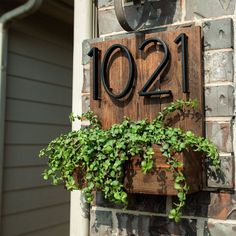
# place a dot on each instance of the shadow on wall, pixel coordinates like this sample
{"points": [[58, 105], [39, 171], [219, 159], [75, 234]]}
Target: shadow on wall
{"points": [[164, 12]]}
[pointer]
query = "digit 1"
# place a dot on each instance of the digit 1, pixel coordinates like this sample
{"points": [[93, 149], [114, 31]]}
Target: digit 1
{"points": [[183, 39], [94, 53]]}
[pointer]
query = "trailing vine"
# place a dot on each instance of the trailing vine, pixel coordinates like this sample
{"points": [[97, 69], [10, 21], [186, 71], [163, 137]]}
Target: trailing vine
{"points": [[100, 155]]}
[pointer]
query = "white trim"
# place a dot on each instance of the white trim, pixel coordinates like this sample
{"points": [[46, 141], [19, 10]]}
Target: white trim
{"points": [[83, 29]]}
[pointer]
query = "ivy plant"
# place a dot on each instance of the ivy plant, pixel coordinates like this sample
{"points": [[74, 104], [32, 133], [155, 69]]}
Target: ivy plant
{"points": [[99, 155]]}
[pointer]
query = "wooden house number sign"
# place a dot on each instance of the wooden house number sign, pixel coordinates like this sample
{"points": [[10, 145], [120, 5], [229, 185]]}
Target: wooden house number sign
{"points": [[139, 74]]}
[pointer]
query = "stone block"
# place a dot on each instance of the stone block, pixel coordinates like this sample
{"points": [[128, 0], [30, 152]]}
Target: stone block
{"points": [[147, 203], [85, 103], [107, 22], [214, 205], [209, 8], [218, 34], [85, 49], [105, 3], [222, 206], [223, 177], [102, 202], [219, 228], [129, 224], [86, 79], [218, 66], [220, 134], [164, 13], [196, 204], [136, 202], [101, 223], [219, 100], [152, 225]]}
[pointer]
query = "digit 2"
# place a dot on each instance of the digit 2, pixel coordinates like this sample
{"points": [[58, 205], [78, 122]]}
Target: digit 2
{"points": [[158, 70]]}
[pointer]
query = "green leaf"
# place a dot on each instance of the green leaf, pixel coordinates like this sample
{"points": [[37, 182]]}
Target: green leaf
{"points": [[177, 186], [181, 196]]}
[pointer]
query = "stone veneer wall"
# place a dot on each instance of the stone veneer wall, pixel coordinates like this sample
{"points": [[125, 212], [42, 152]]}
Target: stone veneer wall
{"points": [[212, 211]]}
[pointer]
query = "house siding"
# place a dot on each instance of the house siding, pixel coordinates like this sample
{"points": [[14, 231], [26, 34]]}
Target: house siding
{"points": [[39, 100]]}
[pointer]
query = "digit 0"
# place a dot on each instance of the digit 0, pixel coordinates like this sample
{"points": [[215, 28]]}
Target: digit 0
{"points": [[104, 71]]}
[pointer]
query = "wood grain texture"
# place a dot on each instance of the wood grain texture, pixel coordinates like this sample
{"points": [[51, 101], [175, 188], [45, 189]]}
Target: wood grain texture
{"points": [[112, 111]]}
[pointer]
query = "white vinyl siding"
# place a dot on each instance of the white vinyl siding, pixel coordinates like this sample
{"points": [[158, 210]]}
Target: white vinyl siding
{"points": [[39, 100]]}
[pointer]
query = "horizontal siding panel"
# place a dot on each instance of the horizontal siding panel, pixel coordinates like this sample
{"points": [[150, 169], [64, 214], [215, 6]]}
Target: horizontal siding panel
{"points": [[46, 28], [41, 92], [33, 199], [23, 178], [58, 230], [23, 156], [20, 224], [37, 70], [35, 112], [33, 47], [20, 133]]}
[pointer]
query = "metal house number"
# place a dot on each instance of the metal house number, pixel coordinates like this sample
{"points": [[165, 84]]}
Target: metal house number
{"points": [[145, 91]]}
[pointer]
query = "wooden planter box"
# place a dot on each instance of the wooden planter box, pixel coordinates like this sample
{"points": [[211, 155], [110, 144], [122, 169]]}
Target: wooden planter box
{"points": [[160, 181]]}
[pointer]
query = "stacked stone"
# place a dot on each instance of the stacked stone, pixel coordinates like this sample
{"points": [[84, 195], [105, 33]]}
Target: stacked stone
{"points": [[213, 210]]}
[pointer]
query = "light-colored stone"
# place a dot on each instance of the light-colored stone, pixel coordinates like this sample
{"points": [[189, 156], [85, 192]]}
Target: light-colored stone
{"points": [[85, 102], [105, 3], [86, 48], [86, 79], [220, 228], [223, 177], [219, 100], [208, 8], [218, 66], [220, 134], [218, 34]]}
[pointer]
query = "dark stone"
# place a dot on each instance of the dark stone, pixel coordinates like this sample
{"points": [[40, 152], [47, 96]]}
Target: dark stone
{"points": [[133, 224], [164, 226], [136, 202], [104, 218], [100, 223], [148, 203], [102, 202], [220, 206], [154, 225], [196, 204]]}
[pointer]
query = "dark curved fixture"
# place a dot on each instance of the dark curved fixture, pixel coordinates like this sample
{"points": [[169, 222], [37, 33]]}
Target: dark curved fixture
{"points": [[120, 14]]}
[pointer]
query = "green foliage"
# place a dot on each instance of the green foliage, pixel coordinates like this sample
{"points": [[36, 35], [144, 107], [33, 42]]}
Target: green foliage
{"points": [[100, 154]]}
